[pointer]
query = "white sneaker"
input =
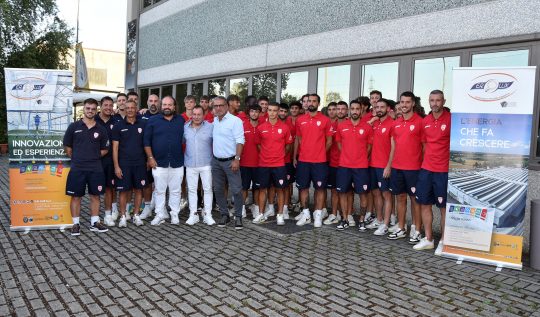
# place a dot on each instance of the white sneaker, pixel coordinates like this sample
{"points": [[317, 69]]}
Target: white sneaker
{"points": [[193, 219], [382, 230], [137, 220], [351, 221], [368, 215], [424, 244], [374, 225], [108, 221], [114, 212], [244, 214], [123, 222], [317, 218], [269, 212], [393, 219], [207, 219], [255, 211], [438, 251], [147, 212], [174, 219], [129, 210], [183, 204], [324, 213], [158, 219], [280, 220], [259, 219], [285, 213], [412, 232], [332, 219], [399, 234], [393, 228], [304, 218], [165, 214]]}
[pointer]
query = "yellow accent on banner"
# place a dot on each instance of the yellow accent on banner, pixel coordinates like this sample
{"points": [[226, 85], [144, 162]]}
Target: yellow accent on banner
{"points": [[504, 248]]}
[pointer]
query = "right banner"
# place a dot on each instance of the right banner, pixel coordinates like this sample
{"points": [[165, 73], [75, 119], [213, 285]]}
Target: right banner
{"points": [[492, 119]]}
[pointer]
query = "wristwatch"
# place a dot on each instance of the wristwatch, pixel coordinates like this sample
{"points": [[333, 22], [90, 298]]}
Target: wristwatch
{"points": [[237, 158]]}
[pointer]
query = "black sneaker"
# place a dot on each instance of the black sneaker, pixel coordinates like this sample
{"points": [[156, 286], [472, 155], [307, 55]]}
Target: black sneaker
{"points": [[362, 226], [98, 227], [371, 218], [238, 224], [344, 224], [224, 221], [76, 230]]}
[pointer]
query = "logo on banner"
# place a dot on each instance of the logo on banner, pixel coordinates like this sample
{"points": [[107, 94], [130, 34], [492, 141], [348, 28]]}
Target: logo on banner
{"points": [[492, 87], [28, 88]]}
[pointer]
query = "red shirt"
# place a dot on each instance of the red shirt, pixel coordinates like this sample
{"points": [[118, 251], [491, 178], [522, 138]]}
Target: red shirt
{"points": [[333, 154], [313, 131], [367, 117], [355, 140], [243, 116], [382, 135], [292, 129], [263, 117], [407, 136], [436, 139], [250, 155], [272, 139], [209, 117]]}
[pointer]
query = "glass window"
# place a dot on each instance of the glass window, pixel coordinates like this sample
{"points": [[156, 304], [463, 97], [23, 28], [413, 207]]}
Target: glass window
{"points": [[143, 97], [166, 91], [217, 87], [239, 87], [147, 3], [197, 91], [293, 86], [501, 59], [431, 74], [265, 85], [382, 77], [154, 91], [181, 93], [333, 84]]}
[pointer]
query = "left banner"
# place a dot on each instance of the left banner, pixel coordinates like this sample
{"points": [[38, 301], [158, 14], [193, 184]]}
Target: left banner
{"points": [[39, 110]]}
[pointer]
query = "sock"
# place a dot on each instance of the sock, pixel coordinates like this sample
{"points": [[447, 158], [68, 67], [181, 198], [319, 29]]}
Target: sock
{"points": [[107, 212], [114, 205], [271, 206], [285, 208], [147, 204], [94, 219], [75, 220]]}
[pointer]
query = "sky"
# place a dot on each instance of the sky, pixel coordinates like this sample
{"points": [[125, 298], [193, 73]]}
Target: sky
{"points": [[102, 23]]}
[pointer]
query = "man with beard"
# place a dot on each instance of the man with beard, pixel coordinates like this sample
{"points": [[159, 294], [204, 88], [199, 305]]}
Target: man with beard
{"points": [[133, 96], [406, 163], [163, 147], [249, 160], [354, 140], [331, 111], [433, 177], [313, 139], [149, 201], [86, 142], [380, 164]]}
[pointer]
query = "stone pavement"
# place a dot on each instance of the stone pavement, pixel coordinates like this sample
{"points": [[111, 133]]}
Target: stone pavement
{"points": [[210, 271]]}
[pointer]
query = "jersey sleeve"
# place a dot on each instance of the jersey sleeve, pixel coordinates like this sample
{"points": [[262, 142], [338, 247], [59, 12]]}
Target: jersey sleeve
{"points": [[104, 142], [115, 135], [68, 136]]}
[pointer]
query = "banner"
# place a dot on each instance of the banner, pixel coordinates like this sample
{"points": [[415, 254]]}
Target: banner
{"points": [[39, 110], [131, 56], [492, 116], [81, 73]]}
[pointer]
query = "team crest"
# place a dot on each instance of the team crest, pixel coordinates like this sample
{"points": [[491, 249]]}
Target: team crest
{"points": [[440, 199], [361, 131], [379, 183], [383, 130], [411, 127], [96, 135], [99, 188], [365, 187], [288, 177], [143, 182], [443, 127], [413, 189], [112, 126], [279, 131], [112, 181], [280, 182], [319, 184], [139, 129], [318, 123]]}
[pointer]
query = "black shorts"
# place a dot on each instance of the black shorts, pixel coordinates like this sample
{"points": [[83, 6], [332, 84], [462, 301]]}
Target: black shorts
{"points": [[108, 171], [249, 177], [403, 181], [77, 181], [149, 178], [307, 173], [355, 178], [291, 173], [431, 188], [272, 176], [133, 177], [378, 181], [332, 174]]}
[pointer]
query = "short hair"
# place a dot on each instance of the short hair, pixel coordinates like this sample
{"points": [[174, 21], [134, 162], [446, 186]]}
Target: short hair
{"points": [[343, 103], [205, 97], [265, 98], [373, 92], [356, 101], [169, 96], [133, 102], [121, 95], [226, 100], [231, 98], [437, 92], [198, 107], [332, 104], [304, 96], [255, 107], [132, 93], [408, 94], [386, 102], [249, 97], [296, 103], [364, 101], [90, 101], [106, 98], [315, 95], [284, 106], [275, 104], [190, 97]]}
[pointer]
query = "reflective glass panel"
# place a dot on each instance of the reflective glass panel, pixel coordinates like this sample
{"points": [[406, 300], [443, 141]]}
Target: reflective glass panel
{"points": [[216, 87], [166, 91], [265, 85], [382, 77], [333, 84], [293, 86], [431, 74], [501, 59], [181, 93], [239, 87], [197, 91]]}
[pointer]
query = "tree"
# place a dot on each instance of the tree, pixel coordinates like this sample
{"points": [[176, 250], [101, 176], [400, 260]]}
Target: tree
{"points": [[332, 96], [31, 36]]}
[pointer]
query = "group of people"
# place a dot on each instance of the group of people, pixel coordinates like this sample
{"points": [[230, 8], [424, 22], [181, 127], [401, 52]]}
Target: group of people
{"points": [[381, 150]]}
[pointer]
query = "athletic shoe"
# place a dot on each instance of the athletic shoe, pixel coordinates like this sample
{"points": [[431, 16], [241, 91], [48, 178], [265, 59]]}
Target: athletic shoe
{"points": [[238, 224], [174, 219], [342, 225], [362, 226], [424, 244], [207, 219], [114, 212], [193, 219], [129, 210], [304, 218], [98, 227], [269, 212], [260, 219], [393, 219], [255, 211], [381, 231], [165, 214], [158, 219], [415, 238], [332, 219], [137, 220], [412, 232], [438, 251], [76, 230], [225, 219], [302, 213], [399, 234], [147, 212], [108, 221], [183, 203], [280, 220], [370, 217], [324, 213], [285, 213], [374, 225], [350, 220], [393, 228], [244, 214], [317, 217], [123, 222]]}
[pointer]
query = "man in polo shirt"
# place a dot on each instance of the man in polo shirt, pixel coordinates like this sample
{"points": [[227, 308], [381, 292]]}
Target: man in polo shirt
{"points": [[228, 142], [205, 104], [381, 167], [121, 99], [274, 143], [313, 139], [163, 146], [189, 102], [304, 99], [132, 95], [294, 110], [406, 162], [354, 140], [250, 159], [149, 202], [86, 142], [104, 118], [234, 107], [433, 177], [263, 101], [129, 161], [198, 159], [285, 118]]}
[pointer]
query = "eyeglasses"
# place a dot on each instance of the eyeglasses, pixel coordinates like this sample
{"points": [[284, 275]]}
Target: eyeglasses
{"points": [[220, 105]]}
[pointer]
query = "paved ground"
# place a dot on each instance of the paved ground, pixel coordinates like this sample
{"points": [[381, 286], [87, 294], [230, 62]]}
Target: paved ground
{"points": [[182, 270]]}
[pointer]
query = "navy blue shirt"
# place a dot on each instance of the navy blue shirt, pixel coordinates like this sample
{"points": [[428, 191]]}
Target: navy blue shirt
{"points": [[107, 159], [147, 115], [87, 145], [165, 139], [131, 145]]}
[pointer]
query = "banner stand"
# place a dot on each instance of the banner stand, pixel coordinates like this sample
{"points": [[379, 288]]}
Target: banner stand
{"points": [[498, 265]]}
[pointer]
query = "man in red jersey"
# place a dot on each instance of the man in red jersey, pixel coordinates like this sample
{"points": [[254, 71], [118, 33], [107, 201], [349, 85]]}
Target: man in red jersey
{"points": [[205, 104], [190, 102], [295, 111], [263, 102], [234, 107], [433, 177], [354, 140], [304, 99], [284, 117], [274, 143], [313, 139], [406, 162], [249, 161]]}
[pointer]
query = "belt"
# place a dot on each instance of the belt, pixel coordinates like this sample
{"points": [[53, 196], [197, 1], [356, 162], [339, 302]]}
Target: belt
{"points": [[224, 159]]}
